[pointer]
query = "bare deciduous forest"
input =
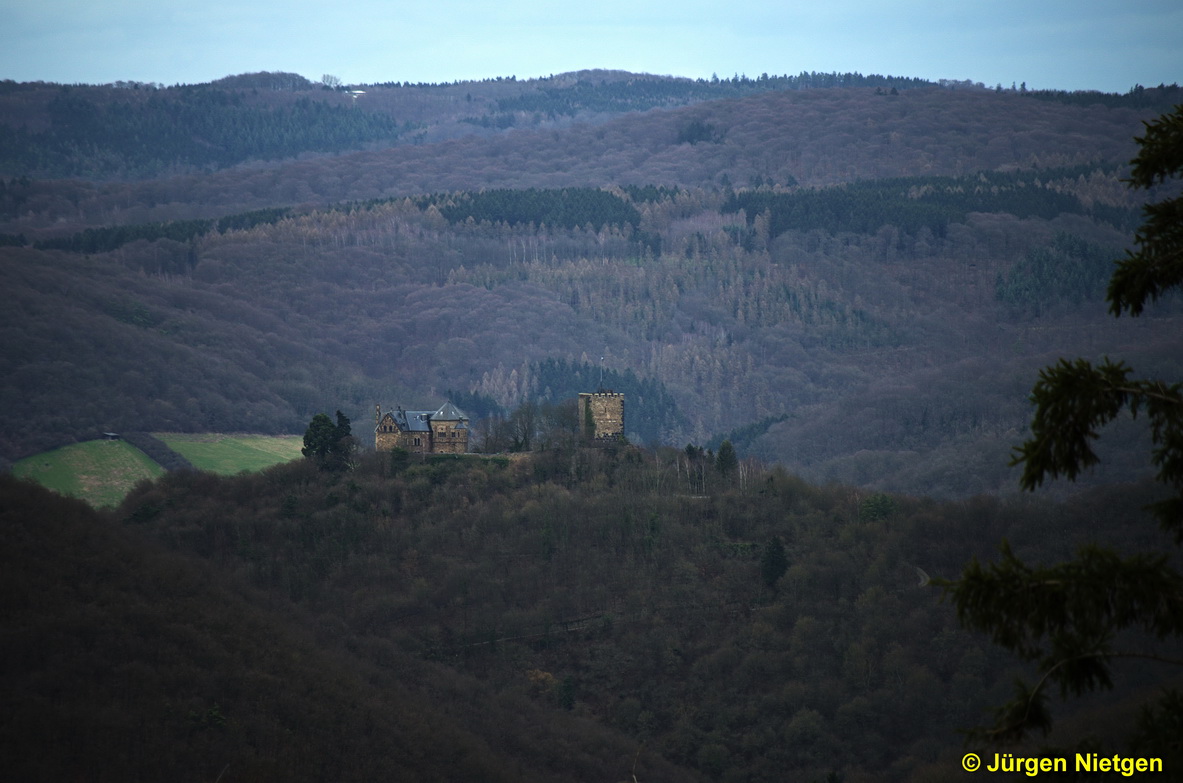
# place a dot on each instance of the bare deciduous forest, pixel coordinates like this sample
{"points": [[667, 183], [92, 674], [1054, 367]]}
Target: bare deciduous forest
{"points": [[848, 263]]}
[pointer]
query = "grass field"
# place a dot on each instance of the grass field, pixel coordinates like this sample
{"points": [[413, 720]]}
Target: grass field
{"points": [[230, 454], [101, 472]]}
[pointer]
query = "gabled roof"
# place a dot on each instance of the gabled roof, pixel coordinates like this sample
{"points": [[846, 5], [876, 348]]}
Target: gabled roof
{"points": [[414, 421], [420, 421], [449, 412]]}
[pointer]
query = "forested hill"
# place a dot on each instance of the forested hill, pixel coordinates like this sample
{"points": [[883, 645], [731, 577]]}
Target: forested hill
{"points": [[132, 130], [576, 615], [136, 130], [129, 662], [860, 280], [782, 139], [805, 137]]}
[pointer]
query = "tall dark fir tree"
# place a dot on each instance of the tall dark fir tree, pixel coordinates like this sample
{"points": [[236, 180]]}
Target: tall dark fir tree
{"points": [[331, 445]]}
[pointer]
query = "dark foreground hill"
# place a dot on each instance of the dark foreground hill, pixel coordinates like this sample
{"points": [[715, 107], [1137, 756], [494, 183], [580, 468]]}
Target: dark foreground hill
{"points": [[575, 615], [123, 662]]}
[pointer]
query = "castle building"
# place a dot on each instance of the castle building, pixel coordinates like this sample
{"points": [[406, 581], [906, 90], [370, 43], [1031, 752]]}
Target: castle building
{"points": [[601, 415], [443, 431]]}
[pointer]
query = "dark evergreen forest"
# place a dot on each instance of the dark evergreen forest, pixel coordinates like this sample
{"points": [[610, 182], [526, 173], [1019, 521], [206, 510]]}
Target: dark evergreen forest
{"points": [[131, 135]]}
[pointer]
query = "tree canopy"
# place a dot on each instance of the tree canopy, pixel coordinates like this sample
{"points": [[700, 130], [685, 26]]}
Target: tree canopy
{"points": [[1157, 265], [331, 445]]}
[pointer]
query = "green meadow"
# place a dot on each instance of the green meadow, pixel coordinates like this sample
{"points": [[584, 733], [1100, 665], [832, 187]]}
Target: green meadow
{"points": [[101, 472], [231, 454]]}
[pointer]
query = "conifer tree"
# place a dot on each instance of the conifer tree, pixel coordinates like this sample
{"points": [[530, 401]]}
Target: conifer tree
{"points": [[1067, 617], [726, 462], [318, 438], [774, 562], [331, 445]]}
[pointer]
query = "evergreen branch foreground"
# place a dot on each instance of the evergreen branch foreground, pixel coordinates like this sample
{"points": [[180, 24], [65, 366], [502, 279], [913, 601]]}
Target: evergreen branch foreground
{"points": [[1074, 399], [1074, 620]]}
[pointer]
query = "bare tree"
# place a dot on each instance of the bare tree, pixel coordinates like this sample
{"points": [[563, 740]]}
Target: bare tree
{"points": [[524, 425]]}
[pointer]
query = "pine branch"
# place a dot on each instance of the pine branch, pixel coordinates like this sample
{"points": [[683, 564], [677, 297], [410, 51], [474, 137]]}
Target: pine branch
{"points": [[1017, 729]]}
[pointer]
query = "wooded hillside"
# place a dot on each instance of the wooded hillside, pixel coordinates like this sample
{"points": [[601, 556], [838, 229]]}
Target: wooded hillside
{"points": [[861, 278], [824, 297], [580, 614]]}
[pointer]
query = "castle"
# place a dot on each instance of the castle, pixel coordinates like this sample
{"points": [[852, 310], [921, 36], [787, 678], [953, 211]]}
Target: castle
{"points": [[601, 415], [446, 431], [443, 431]]}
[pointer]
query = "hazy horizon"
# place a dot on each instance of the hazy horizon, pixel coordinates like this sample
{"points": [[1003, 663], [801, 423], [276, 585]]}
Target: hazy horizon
{"points": [[1055, 45]]}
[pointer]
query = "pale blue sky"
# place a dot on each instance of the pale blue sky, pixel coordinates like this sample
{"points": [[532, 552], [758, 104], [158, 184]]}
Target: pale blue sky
{"points": [[1064, 44]]}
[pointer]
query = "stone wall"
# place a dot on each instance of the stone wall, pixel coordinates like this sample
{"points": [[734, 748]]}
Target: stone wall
{"points": [[607, 414], [447, 437]]}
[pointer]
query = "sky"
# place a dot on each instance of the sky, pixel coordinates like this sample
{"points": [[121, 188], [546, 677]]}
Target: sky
{"points": [[1048, 44]]}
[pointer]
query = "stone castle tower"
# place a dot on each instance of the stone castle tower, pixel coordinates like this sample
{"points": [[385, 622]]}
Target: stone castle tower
{"points": [[601, 415]]}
